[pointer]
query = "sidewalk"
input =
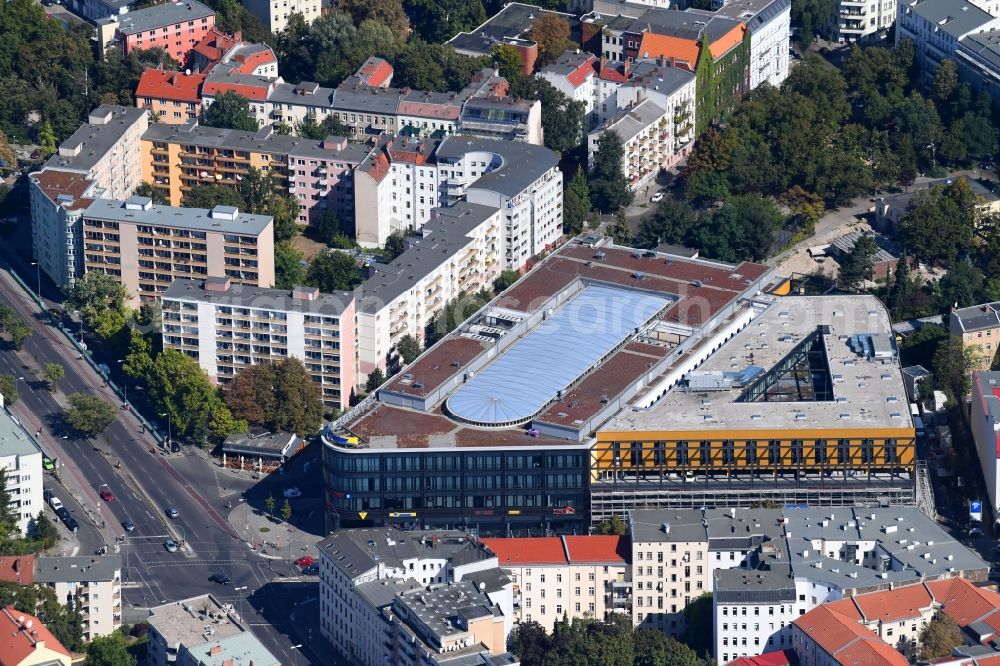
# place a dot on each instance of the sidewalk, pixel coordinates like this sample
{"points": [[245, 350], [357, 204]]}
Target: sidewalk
{"points": [[274, 539]]}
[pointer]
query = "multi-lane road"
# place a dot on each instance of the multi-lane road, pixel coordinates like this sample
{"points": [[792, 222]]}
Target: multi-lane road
{"points": [[144, 483]]}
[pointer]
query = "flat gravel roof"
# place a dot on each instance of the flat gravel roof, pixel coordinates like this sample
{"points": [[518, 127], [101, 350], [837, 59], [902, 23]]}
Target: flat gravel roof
{"points": [[553, 355]]}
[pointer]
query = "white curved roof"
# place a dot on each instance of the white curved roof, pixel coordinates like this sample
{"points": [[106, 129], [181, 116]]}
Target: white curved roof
{"points": [[550, 357]]}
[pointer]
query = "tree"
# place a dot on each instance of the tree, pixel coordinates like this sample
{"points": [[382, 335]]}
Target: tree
{"points": [[269, 504], [8, 389], [8, 517], [53, 373], [608, 187], [375, 379], [673, 222], [698, 619], [437, 21], [940, 637], [563, 118], [288, 269], [507, 278], [507, 61], [809, 16], [952, 365], [387, 12], [329, 230], [47, 138], [529, 641], [333, 271], [331, 125], [856, 265], [286, 510], [409, 348], [89, 415], [938, 226], [551, 31], [210, 196], [395, 245], [110, 650], [94, 295], [962, 286], [8, 158], [280, 396], [655, 648], [230, 110], [612, 525], [620, 230], [147, 190], [40, 600], [742, 229], [576, 203]]}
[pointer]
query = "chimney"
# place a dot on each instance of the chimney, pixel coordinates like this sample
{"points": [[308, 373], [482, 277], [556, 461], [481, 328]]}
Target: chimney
{"points": [[216, 649], [305, 293]]}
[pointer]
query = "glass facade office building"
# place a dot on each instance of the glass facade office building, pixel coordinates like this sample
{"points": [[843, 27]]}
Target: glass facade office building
{"points": [[496, 491]]}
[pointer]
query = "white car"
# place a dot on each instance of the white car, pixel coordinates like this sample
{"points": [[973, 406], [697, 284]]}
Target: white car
{"points": [[292, 493], [658, 197]]}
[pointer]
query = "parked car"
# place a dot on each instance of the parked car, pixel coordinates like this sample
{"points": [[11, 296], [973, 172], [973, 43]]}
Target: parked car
{"points": [[105, 493], [305, 561], [55, 503], [311, 570], [48, 464], [658, 197], [172, 512], [220, 578], [170, 545], [128, 525], [293, 492]]}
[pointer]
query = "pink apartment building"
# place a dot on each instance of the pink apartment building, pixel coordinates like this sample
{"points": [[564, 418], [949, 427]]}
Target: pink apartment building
{"points": [[176, 27]]}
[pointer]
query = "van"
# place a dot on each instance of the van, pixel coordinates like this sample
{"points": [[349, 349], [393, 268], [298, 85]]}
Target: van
{"points": [[55, 503]]}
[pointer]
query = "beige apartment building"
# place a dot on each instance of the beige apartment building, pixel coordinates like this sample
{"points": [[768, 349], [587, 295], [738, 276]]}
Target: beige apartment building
{"points": [[96, 581], [978, 327], [148, 246], [574, 576]]}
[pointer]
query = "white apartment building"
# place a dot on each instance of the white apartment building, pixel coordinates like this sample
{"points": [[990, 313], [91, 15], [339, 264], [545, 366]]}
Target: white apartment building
{"points": [[985, 418], [21, 461], [399, 183], [101, 159], [274, 13], [857, 20], [226, 327], [457, 252], [574, 74], [655, 119], [404, 598], [95, 582], [201, 631], [569, 576], [770, 26], [936, 28]]}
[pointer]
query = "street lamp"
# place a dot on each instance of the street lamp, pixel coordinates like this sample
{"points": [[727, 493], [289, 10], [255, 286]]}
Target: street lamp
{"points": [[38, 274], [17, 392], [121, 362], [239, 597], [80, 317], [295, 657]]}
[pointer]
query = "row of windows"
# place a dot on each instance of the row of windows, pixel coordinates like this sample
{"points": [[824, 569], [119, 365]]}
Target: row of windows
{"points": [[752, 452], [446, 462]]}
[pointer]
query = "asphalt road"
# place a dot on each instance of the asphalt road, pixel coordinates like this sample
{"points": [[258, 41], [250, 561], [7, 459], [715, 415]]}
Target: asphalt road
{"points": [[144, 485]]}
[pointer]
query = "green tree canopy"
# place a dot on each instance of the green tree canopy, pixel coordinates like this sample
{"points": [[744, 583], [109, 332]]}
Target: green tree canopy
{"points": [[409, 348], [608, 186], [939, 637], [230, 110], [562, 118], [95, 293], [576, 203], [395, 245], [333, 271], [279, 396], [437, 21], [938, 226], [375, 379], [110, 650], [288, 269], [89, 415], [856, 265], [506, 280], [331, 125]]}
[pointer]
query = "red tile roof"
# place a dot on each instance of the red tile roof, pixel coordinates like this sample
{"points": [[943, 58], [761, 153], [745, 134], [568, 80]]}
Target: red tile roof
{"points": [[870, 653], [609, 72], [215, 44], [779, 658], [18, 569], [963, 601], [596, 548], [894, 605], [580, 74], [174, 86], [20, 636], [375, 72], [526, 551], [831, 630]]}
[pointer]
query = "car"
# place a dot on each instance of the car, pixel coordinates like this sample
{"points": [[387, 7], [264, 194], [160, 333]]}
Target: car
{"points": [[55, 503], [128, 525], [293, 492], [105, 493], [172, 512], [658, 197], [170, 545], [305, 561], [220, 578], [48, 464], [648, 254], [974, 531], [988, 166], [311, 570]]}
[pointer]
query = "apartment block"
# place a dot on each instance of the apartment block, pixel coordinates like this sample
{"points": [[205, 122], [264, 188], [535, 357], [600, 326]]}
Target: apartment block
{"points": [[226, 327], [21, 460], [101, 159], [174, 27], [859, 20], [420, 598], [96, 10], [178, 157], [655, 119], [147, 246], [96, 581], [574, 74], [985, 420], [455, 253], [769, 23], [937, 27], [978, 328], [218, 47], [274, 15], [202, 631], [171, 97], [569, 576]]}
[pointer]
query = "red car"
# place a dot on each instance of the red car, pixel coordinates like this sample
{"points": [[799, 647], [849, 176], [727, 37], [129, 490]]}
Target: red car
{"points": [[105, 493], [304, 561]]}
